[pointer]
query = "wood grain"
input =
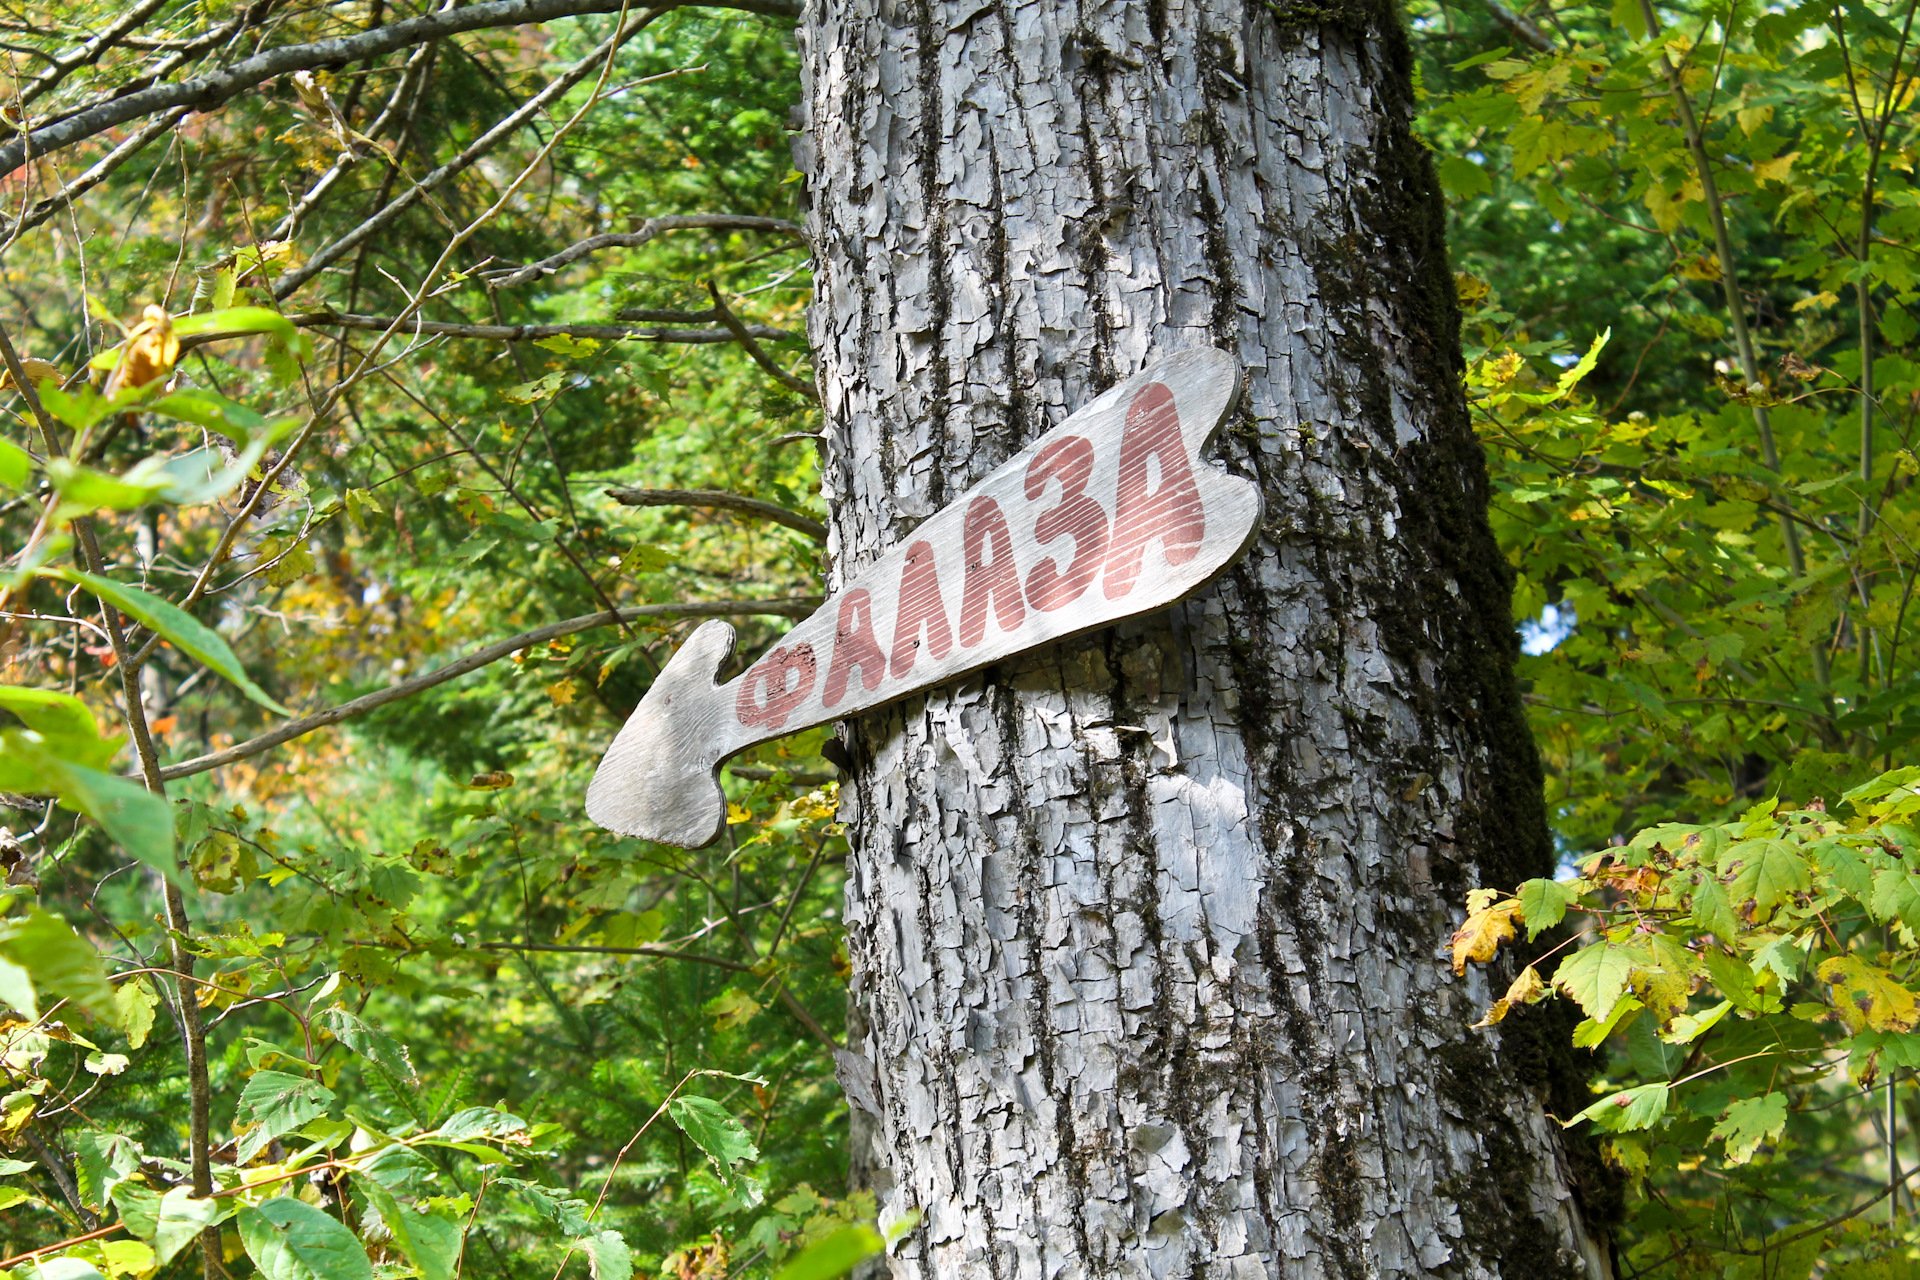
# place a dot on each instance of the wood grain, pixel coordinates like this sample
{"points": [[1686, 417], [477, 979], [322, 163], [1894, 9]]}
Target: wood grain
{"points": [[1111, 514]]}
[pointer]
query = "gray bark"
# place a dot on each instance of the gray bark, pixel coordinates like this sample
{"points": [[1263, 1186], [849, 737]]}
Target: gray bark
{"points": [[1149, 928]]}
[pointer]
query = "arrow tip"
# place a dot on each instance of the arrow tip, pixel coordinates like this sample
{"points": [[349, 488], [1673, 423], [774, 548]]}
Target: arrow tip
{"points": [[660, 779]]}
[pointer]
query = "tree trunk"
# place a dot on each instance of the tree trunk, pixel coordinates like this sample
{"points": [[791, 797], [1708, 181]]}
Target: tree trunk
{"points": [[1149, 928]]}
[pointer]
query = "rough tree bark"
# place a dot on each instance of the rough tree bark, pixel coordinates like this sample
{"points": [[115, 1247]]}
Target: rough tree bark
{"points": [[1148, 929]]}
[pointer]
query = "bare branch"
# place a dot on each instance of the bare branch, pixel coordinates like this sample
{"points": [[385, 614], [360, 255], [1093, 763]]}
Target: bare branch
{"points": [[720, 499], [593, 63], [667, 315], [508, 277], [102, 169], [498, 332], [793, 608], [760, 357], [1522, 28], [91, 50], [204, 93]]}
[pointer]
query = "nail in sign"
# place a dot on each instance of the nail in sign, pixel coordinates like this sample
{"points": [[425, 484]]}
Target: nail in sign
{"points": [[1109, 515]]}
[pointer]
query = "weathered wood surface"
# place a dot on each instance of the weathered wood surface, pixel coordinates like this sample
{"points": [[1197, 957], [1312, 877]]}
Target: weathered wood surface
{"points": [[1111, 514]]}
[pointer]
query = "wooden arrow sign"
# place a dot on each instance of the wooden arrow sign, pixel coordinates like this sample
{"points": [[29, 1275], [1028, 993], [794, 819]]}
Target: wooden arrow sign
{"points": [[1111, 514]]}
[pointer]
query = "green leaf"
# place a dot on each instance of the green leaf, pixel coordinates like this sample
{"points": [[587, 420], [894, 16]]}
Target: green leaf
{"points": [[1571, 378], [186, 632], [834, 1256], [213, 411], [64, 1268], [83, 489], [1596, 976], [16, 990], [139, 821], [713, 1129], [399, 1169], [61, 963], [568, 345], [1543, 904], [371, 1043], [1844, 866], [430, 1241], [101, 1159], [608, 1257], [51, 714], [1711, 908], [1636, 1108], [479, 1122], [1765, 872], [139, 1206], [1689, 1027], [289, 1239], [1750, 1122], [1734, 979], [16, 465], [182, 1218], [1896, 896], [236, 320], [278, 1102]]}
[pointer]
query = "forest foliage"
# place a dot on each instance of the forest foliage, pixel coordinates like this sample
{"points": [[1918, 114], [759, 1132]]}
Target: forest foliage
{"points": [[323, 403], [1686, 244]]}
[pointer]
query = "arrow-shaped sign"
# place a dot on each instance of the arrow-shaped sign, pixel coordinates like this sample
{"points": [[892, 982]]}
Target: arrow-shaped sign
{"points": [[1111, 514]]}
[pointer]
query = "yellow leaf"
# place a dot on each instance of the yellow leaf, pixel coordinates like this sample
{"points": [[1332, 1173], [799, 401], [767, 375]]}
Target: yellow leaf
{"points": [[1818, 302], [36, 370], [1866, 996], [1486, 928], [737, 814], [562, 692], [733, 1009], [1662, 991], [148, 354], [1775, 170], [1528, 988], [1701, 266]]}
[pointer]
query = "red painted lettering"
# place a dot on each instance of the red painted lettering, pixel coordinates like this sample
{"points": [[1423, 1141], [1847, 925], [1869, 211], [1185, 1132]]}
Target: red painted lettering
{"points": [[854, 648], [1172, 511], [1070, 461], [920, 609], [777, 684], [994, 581]]}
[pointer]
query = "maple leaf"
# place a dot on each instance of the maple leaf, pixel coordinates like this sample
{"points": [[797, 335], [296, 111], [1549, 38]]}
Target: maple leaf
{"points": [[1711, 909], [1528, 988], [1661, 991], [1750, 1122], [1896, 895], [1764, 871], [1486, 928], [1639, 1108], [1866, 996], [1596, 976], [1544, 903]]}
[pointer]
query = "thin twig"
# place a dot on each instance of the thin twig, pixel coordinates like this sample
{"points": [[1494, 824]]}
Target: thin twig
{"points": [[798, 608], [760, 357], [720, 499]]}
